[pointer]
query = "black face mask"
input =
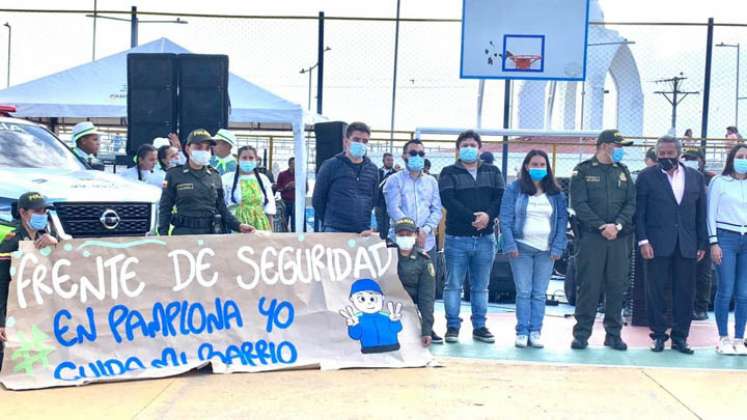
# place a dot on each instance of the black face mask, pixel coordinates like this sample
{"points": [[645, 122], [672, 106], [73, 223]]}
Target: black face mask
{"points": [[668, 163]]}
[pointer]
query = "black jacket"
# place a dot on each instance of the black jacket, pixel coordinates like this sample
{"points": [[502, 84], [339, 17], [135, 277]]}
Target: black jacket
{"points": [[9, 245], [346, 193], [664, 223], [462, 196]]}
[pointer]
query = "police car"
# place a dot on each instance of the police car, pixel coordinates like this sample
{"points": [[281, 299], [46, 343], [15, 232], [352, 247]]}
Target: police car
{"points": [[87, 203]]}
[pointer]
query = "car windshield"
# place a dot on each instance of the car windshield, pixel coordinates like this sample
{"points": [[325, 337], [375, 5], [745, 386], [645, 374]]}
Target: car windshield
{"points": [[30, 146]]}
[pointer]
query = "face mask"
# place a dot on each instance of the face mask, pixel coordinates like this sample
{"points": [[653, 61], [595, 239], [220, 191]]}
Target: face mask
{"points": [[468, 154], [668, 163], [201, 157], [537, 174], [174, 163], [415, 163], [691, 164], [247, 165], [357, 150], [38, 221], [740, 165], [618, 154], [405, 242]]}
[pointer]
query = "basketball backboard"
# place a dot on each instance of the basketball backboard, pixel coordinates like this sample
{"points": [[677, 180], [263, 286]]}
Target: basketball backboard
{"points": [[524, 39]]}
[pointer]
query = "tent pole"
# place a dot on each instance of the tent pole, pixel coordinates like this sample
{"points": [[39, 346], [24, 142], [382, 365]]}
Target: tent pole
{"points": [[300, 179]]}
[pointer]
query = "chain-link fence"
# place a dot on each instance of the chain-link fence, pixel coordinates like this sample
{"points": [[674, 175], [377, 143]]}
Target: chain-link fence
{"points": [[628, 67]]}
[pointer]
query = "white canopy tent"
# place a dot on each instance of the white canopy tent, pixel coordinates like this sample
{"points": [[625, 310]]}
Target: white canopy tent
{"points": [[98, 90]]}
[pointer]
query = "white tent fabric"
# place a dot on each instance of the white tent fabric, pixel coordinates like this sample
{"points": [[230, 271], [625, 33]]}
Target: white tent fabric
{"points": [[99, 90]]}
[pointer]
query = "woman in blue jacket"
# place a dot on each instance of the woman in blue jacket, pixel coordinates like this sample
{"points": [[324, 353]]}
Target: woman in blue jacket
{"points": [[533, 228]]}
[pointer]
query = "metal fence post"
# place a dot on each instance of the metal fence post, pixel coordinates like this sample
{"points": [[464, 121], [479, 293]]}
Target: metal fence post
{"points": [[133, 27], [707, 85], [320, 67], [506, 123]]}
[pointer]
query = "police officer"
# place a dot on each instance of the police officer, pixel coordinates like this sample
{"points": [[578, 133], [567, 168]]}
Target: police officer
{"points": [[32, 225], [418, 276], [197, 192], [603, 198]]}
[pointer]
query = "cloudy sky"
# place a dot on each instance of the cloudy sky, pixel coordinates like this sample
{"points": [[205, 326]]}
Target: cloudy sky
{"points": [[359, 66]]}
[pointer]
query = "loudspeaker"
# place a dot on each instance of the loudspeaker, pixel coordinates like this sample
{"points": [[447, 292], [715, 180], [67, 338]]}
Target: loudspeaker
{"points": [[151, 98], [203, 93], [329, 137]]}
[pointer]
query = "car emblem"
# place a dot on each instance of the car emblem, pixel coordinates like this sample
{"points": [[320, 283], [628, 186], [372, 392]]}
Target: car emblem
{"points": [[109, 219]]}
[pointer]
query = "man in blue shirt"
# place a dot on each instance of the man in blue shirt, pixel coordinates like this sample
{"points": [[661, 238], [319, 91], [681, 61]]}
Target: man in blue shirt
{"points": [[412, 194]]}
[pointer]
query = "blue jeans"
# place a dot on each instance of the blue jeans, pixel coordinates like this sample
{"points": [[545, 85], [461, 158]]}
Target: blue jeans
{"points": [[473, 255], [732, 281], [532, 270]]}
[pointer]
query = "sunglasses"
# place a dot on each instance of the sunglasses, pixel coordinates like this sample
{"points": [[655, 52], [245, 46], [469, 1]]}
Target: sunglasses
{"points": [[414, 153]]}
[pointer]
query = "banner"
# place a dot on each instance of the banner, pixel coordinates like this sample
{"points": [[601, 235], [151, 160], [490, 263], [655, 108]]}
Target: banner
{"points": [[132, 308]]}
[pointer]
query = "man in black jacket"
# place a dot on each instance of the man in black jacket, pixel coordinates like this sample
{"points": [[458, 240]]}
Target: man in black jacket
{"points": [[471, 193], [382, 217], [347, 185], [671, 230]]}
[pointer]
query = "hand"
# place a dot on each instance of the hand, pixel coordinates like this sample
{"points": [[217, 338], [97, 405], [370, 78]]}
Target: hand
{"points": [[3, 336], [45, 241], [481, 220], [514, 253], [174, 140], [395, 311], [291, 185], [367, 233], [610, 231], [422, 236], [701, 254], [426, 340], [716, 254], [350, 317], [647, 252], [244, 228]]}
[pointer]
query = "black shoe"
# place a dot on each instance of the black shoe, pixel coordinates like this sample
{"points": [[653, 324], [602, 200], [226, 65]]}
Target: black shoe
{"points": [[700, 316], [452, 335], [483, 334], [658, 345], [682, 347], [435, 339], [579, 344], [615, 342]]}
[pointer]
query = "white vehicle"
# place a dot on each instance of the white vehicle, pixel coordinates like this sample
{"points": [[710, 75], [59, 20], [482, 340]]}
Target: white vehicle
{"points": [[87, 203]]}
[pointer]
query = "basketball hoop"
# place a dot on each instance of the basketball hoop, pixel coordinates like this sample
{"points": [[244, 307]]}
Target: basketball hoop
{"points": [[524, 62]]}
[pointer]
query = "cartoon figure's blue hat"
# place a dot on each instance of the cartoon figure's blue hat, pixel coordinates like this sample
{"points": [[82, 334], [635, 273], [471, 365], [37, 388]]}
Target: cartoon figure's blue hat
{"points": [[365, 285]]}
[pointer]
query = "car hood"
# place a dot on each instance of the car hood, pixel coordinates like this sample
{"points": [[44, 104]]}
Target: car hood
{"points": [[75, 186]]}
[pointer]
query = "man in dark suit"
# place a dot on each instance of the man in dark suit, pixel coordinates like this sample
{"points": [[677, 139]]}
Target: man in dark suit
{"points": [[671, 230]]}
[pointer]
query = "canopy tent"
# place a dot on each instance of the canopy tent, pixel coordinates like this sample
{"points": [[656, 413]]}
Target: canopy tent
{"points": [[98, 90]]}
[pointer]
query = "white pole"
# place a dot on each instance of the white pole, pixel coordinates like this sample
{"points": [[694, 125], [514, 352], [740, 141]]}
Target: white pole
{"points": [[300, 163]]}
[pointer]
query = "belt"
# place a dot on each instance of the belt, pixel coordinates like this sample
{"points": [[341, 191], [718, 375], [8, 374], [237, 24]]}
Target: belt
{"points": [[193, 222]]}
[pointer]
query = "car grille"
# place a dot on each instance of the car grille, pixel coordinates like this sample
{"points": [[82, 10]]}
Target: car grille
{"points": [[84, 219]]}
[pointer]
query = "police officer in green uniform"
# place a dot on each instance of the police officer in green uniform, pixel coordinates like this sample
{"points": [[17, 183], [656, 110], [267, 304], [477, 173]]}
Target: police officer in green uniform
{"points": [[602, 195], [32, 218], [418, 276], [196, 190]]}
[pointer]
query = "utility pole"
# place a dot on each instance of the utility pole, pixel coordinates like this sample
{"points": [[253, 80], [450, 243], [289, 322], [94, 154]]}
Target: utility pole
{"points": [[674, 95]]}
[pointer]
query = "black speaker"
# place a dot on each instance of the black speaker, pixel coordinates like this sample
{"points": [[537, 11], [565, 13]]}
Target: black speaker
{"points": [[151, 98], [329, 137], [203, 93]]}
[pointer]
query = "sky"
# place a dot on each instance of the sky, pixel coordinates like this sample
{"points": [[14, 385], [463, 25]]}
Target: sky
{"points": [[359, 66]]}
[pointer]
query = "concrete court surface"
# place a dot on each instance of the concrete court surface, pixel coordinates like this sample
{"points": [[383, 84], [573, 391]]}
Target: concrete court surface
{"points": [[461, 388]]}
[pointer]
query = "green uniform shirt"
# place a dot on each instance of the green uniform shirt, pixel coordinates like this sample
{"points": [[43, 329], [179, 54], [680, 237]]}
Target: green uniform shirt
{"points": [[196, 194], [602, 194], [418, 276]]}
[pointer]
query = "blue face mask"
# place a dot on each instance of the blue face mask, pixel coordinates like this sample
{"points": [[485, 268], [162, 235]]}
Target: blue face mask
{"points": [[537, 174], [247, 165], [740, 165], [415, 163], [174, 163], [201, 157], [618, 154], [357, 150], [468, 154], [38, 221]]}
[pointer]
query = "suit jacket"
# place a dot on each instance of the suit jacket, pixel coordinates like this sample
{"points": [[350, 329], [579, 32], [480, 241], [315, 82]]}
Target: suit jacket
{"points": [[663, 222]]}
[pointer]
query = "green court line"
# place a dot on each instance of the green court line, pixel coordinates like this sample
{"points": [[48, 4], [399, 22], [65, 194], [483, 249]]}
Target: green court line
{"points": [[122, 245], [704, 358]]}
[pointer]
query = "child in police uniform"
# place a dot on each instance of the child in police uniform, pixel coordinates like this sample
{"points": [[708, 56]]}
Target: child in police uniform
{"points": [[418, 276]]}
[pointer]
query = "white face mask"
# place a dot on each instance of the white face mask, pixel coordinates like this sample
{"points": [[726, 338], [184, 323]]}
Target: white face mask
{"points": [[691, 164], [405, 242], [201, 157]]}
